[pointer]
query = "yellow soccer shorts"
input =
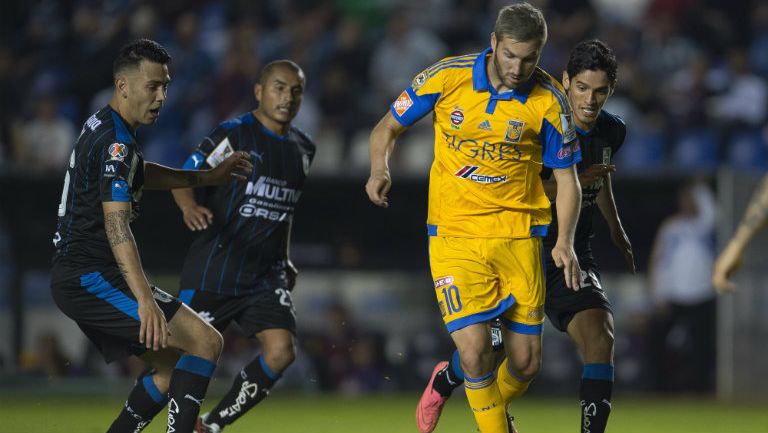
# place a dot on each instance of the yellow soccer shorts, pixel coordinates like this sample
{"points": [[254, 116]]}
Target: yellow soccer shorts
{"points": [[478, 280]]}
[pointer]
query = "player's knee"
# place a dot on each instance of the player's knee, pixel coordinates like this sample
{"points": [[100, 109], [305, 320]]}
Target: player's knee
{"points": [[599, 348], [281, 355], [211, 344], [473, 363], [527, 367], [531, 369]]}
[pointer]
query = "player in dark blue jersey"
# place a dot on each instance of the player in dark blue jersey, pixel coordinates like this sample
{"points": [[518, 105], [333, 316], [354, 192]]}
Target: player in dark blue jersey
{"points": [[238, 268], [97, 277], [584, 313]]}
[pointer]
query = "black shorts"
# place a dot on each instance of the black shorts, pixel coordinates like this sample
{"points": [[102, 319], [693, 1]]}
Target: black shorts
{"points": [[562, 303], [254, 312], [103, 306]]}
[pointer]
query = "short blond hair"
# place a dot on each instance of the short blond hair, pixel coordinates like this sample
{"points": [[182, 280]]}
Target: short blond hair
{"points": [[521, 22]]}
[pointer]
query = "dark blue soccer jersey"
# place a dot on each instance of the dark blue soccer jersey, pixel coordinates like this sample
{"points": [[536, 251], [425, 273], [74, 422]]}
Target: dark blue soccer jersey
{"points": [[106, 165], [248, 240], [598, 146]]}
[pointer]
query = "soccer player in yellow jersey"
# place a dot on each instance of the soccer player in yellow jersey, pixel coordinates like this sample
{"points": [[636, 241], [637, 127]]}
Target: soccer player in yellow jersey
{"points": [[498, 120]]}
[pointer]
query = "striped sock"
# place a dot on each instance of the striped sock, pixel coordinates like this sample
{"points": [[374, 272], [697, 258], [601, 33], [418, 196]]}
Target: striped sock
{"points": [[186, 392], [486, 403], [511, 386]]}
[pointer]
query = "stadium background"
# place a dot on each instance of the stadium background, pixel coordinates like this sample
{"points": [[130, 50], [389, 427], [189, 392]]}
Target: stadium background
{"points": [[692, 89]]}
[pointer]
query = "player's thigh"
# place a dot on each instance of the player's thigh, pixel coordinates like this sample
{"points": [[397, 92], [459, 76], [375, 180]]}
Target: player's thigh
{"points": [[592, 331], [521, 272], [191, 334], [466, 286]]}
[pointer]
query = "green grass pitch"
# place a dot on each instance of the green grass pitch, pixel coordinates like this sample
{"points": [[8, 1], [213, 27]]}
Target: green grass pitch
{"points": [[394, 413]]}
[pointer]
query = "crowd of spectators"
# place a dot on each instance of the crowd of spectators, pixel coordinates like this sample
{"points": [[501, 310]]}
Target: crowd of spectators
{"points": [[691, 86]]}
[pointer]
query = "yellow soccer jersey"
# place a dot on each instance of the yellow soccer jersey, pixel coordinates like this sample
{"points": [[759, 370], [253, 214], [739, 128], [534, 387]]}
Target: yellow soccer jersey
{"points": [[489, 147]]}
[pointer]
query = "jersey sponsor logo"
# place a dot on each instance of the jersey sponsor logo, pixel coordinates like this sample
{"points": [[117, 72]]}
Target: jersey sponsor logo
{"points": [[514, 131], [419, 81], [403, 103], [485, 150], [250, 210], [269, 198], [93, 122], [567, 151], [569, 128], [468, 172], [485, 125], [117, 151], [272, 188], [457, 118], [220, 153]]}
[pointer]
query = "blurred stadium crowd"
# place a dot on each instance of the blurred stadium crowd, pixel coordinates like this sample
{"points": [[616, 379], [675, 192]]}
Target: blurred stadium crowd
{"points": [[692, 89], [691, 81]]}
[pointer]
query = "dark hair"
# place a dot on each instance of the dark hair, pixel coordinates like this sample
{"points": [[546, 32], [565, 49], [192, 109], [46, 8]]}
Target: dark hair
{"points": [[521, 22], [593, 55], [266, 72], [141, 49]]}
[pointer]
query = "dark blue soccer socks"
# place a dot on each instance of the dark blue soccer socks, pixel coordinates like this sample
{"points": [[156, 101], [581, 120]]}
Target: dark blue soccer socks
{"points": [[144, 402], [249, 387], [186, 392], [595, 397]]}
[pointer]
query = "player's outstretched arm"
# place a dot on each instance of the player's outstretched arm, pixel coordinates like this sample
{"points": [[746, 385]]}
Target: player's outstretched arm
{"points": [[196, 217], [607, 205], [568, 204], [237, 166], [754, 220], [380, 147], [154, 330]]}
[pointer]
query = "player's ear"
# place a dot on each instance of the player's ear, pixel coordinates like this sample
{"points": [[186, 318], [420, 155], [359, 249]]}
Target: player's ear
{"points": [[257, 89], [493, 41], [121, 84], [566, 81]]}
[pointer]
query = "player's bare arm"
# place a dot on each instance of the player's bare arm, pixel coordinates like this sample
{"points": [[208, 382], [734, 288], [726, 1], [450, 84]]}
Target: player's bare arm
{"points": [[380, 147], [236, 166], [588, 177], [196, 217], [153, 331], [730, 259], [607, 205], [568, 204]]}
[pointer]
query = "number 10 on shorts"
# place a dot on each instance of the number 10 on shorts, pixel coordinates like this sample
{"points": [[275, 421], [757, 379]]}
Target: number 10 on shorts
{"points": [[451, 302]]}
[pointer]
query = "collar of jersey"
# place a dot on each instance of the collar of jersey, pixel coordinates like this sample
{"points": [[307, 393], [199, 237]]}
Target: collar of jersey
{"points": [[585, 132], [481, 83]]}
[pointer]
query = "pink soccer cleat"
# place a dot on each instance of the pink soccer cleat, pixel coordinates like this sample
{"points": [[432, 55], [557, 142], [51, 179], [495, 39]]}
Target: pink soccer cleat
{"points": [[431, 404]]}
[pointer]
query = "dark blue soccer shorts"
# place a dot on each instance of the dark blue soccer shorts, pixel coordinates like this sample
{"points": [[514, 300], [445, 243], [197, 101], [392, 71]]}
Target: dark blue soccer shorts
{"points": [[270, 308], [562, 303], [103, 306]]}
